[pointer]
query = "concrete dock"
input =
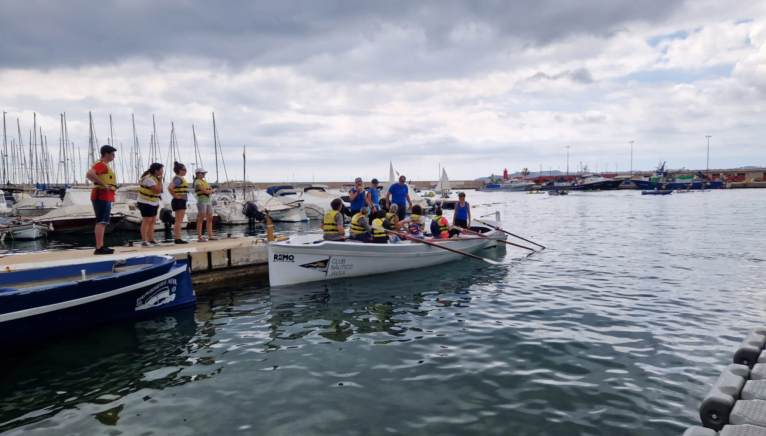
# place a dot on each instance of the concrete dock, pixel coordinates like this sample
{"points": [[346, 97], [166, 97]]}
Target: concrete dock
{"points": [[210, 261]]}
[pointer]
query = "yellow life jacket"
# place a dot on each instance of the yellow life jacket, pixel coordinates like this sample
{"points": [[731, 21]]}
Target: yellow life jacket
{"points": [[388, 222], [330, 226], [378, 222], [356, 228], [443, 226], [197, 188], [107, 178], [146, 192], [416, 224], [183, 188]]}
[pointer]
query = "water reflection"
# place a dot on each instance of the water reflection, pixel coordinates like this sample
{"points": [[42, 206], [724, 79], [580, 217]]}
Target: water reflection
{"points": [[99, 366]]}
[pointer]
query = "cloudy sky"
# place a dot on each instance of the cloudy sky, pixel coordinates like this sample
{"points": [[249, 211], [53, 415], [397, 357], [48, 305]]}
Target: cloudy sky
{"points": [[337, 89]]}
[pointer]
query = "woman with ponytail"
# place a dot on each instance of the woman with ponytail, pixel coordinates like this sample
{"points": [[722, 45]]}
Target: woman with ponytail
{"points": [[178, 189], [203, 191], [148, 202]]}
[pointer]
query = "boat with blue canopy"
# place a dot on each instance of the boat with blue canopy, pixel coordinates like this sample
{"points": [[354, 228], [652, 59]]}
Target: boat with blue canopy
{"points": [[45, 301]]}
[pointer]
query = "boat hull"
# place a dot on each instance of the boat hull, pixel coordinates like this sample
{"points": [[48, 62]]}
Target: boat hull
{"points": [[73, 224], [293, 262], [606, 185], [39, 313], [507, 188], [28, 232], [33, 211], [657, 192], [649, 185]]}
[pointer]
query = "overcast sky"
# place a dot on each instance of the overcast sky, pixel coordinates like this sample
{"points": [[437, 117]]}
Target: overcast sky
{"points": [[337, 89]]}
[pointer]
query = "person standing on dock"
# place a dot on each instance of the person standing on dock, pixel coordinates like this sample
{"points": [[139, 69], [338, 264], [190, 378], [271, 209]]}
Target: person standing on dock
{"points": [[149, 201], [332, 224], [203, 191], [399, 195], [372, 198], [462, 217], [102, 195], [178, 188], [356, 197]]}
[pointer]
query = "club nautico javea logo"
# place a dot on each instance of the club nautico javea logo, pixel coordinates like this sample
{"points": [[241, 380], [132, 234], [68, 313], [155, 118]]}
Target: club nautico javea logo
{"points": [[320, 265]]}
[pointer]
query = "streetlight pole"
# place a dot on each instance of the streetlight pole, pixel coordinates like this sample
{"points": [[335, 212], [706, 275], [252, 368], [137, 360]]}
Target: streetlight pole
{"points": [[631, 158], [708, 153], [567, 161]]}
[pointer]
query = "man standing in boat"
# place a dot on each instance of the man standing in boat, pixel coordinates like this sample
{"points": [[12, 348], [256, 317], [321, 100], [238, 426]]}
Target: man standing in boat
{"points": [[356, 197], [399, 195], [102, 195]]}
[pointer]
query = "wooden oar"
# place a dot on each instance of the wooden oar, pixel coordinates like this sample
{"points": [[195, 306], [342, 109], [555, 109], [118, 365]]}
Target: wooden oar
{"points": [[471, 232], [498, 228], [423, 241]]}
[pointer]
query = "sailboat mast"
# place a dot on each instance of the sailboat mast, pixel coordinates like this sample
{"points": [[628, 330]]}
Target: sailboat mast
{"points": [[215, 146], [244, 173], [5, 151]]}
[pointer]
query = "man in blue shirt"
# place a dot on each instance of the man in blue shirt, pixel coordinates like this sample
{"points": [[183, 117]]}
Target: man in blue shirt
{"points": [[356, 197], [372, 198], [400, 196]]}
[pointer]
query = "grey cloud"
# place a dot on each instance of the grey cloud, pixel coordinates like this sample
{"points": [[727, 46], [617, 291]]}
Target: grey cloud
{"points": [[282, 129], [580, 75], [77, 33]]}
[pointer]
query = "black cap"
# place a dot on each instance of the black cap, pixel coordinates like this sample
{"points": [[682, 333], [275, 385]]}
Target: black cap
{"points": [[106, 149], [374, 181]]}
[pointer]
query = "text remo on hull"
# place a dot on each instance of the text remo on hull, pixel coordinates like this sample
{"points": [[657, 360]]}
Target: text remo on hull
{"points": [[300, 260]]}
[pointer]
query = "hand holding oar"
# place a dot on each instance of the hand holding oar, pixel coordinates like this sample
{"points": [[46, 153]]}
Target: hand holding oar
{"points": [[499, 229], [423, 241], [471, 232]]}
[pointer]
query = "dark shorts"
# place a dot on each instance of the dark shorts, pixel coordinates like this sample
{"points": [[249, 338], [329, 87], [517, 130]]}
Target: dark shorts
{"points": [[402, 211], [102, 210], [177, 204], [360, 237], [461, 223], [147, 210]]}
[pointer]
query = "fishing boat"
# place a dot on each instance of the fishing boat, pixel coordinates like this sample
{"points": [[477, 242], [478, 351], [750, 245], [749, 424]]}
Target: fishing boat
{"points": [[307, 258], [665, 179], [19, 229], [586, 182], [657, 192], [38, 301], [514, 185]]}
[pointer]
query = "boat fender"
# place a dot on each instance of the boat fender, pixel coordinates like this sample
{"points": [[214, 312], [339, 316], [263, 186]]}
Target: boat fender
{"points": [[748, 351], [719, 402], [166, 216]]}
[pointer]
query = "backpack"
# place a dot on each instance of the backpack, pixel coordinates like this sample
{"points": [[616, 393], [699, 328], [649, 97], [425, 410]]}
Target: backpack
{"points": [[435, 228], [387, 223]]}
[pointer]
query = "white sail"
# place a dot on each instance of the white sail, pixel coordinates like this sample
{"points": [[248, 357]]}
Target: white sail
{"points": [[391, 178], [443, 185]]}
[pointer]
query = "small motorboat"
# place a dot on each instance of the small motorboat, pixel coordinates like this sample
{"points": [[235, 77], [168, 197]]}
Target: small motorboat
{"points": [[38, 302], [657, 192], [20, 229], [558, 192], [307, 258]]}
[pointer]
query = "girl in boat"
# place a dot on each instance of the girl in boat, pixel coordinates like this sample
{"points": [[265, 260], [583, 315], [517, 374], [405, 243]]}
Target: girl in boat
{"points": [[379, 236], [360, 229], [178, 189], [414, 222], [440, 227], [148, 202], [462, 217], [332, 224]]}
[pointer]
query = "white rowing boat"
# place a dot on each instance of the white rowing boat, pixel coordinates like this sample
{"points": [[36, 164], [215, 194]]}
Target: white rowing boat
{"points": [[306, 258]]}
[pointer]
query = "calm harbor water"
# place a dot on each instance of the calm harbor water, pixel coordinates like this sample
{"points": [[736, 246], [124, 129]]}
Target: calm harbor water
{"points": [[618, 328]]}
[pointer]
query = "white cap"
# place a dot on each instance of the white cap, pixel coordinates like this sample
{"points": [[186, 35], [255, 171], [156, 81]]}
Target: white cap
{"points": [[199, 170]]}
